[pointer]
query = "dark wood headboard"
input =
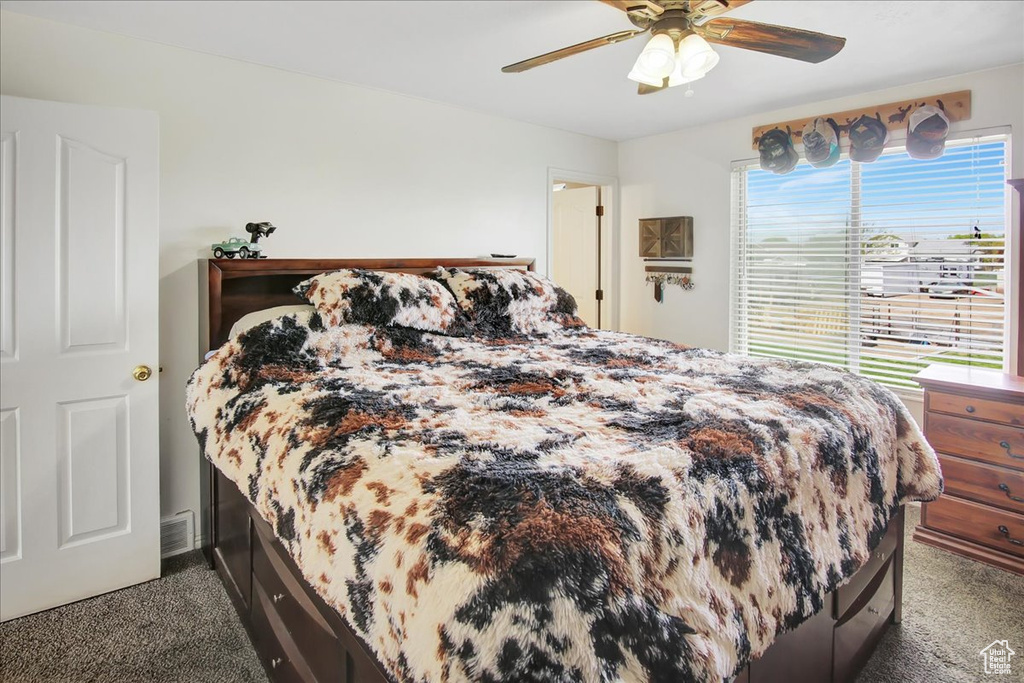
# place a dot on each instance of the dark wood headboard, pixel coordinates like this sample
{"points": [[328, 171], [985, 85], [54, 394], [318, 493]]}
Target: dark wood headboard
{"points": [[231, 288]]}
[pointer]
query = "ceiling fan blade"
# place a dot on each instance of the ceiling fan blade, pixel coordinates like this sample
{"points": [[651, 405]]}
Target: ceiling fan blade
{"points": [[713, 8], [548, 57], [644, 89], [795, 43]]}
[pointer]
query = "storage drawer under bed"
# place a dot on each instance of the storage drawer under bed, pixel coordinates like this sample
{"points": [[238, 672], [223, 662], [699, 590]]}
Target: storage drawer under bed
{"points": [[847, 594], [856, 634], [276, 647], [315, 644]]}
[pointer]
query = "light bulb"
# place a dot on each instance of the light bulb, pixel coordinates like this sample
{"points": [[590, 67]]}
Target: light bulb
{"points": [[659, 56], [640, 76], [678, 76], [696, 56]]}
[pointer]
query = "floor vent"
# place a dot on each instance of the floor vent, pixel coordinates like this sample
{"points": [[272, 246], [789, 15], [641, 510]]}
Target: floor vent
{"points": [[177, 534]]}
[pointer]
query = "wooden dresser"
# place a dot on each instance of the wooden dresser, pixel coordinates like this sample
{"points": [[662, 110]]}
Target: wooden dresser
{"points": [[974, 419]]}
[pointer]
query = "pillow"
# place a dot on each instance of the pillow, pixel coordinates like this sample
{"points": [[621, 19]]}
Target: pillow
{"points": [[250, 320], [502, 302], [374, 297]]}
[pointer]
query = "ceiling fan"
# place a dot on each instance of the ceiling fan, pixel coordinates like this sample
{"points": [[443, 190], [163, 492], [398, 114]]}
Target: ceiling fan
{"points": [[679, 50]]}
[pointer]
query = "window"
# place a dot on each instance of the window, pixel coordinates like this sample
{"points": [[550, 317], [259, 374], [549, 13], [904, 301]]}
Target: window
{"points": [[880, 268]]}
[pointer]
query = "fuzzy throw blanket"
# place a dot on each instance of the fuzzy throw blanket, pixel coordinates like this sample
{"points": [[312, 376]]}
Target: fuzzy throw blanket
{"points": [[587, 506]]}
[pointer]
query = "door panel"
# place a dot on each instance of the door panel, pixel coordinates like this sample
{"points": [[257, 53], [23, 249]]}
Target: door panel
{"points": [[79, 193], [90, 199], [10, 485], [8, 164], [93, 448]]}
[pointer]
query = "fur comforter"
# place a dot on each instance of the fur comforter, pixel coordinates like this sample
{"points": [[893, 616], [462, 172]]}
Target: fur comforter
{"points": [[591, 506]]}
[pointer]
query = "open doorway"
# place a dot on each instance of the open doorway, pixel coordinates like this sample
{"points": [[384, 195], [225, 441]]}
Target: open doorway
{"points": [[580, 236]]}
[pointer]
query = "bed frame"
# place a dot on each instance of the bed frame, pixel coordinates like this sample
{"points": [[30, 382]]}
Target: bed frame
{"points": [[300, 638]]}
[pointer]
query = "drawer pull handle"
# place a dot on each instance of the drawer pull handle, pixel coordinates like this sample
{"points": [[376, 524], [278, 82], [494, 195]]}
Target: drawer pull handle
{"points": [[1006, 532], [969, 409], [278, 597], [276, 662], [1006, 445], [1006, 489]]}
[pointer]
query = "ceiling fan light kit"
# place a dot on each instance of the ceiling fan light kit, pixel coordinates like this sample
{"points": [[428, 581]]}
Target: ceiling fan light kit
{"points": [[679, 50], [691, 59]]}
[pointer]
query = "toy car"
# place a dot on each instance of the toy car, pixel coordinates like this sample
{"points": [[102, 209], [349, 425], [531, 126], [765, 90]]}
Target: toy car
{"points": [[236, 246]]}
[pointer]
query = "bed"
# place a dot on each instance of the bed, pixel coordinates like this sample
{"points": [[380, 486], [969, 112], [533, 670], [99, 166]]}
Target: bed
{"points": [[514, 600]]}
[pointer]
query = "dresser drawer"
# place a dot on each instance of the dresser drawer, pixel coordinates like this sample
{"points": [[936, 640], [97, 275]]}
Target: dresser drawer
{"points": [[856, 634], [315, 641], [977, 408], [998, 486], [993, 443], [847, 594], [978, 523]]}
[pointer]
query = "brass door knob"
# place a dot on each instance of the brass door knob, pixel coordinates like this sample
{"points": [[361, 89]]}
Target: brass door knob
{"points": [[142, 373]]}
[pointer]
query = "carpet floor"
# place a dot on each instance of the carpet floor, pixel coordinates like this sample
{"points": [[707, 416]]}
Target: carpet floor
{"points": [[182, 627]]}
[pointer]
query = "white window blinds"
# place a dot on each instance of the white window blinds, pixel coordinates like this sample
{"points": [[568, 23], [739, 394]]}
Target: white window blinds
{"points": [[881, 268]]}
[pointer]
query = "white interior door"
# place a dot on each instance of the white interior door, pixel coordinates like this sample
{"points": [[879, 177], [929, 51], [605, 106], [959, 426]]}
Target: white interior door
{"points": [[574, 258], [79, 468]]}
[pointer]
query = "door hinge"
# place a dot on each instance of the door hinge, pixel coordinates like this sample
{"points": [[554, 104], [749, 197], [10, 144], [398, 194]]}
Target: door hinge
{"points": [[599, 295], [600, 210]]}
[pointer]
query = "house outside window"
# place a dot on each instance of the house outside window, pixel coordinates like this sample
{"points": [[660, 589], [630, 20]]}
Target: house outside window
{"points": [[880, 268]]}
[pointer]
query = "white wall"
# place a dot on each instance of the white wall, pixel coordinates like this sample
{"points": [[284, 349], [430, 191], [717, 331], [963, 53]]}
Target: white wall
{"points": [[343, 171], [688, 173]]}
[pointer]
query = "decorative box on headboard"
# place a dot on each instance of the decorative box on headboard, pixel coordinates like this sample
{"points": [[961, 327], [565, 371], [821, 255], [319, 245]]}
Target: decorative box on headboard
{"points": [[667, 238]]}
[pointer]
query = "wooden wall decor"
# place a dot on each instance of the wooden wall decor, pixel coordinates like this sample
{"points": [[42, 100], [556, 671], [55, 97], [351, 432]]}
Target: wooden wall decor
{"points": [[666, 238], [956, 105]]}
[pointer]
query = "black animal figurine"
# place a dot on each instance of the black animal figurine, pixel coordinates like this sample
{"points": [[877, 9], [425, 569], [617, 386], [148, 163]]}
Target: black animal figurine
{"points": [[901, 114]]}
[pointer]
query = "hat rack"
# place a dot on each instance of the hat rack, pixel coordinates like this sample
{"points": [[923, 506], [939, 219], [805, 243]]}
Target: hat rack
{"points": [[672, 275], [956, 105]]}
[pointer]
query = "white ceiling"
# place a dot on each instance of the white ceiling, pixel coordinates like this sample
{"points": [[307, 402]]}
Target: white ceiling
{"points": [[452, 51]]}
